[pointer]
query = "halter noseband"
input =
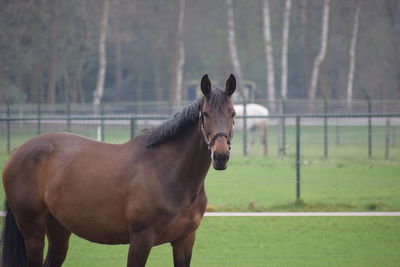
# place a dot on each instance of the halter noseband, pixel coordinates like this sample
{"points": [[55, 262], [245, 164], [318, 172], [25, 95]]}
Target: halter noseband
{"points": [[210, 142]]}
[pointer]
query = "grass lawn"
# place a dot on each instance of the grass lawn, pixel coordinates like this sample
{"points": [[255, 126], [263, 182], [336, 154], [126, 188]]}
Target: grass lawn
{"points": [[259, 184], [346, 181], [267, 241]]}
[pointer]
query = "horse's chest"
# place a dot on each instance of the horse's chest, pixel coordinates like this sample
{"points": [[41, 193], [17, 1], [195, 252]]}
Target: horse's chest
{"points": [[186, 221]]}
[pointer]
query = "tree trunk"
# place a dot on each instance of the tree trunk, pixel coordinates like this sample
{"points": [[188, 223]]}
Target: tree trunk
{"points": [[285, 41], [233, 50], [393, 8], [52, 71], [305, 42], [178, 60], [118, 62], [269, 58], [352, 54], [98, 93], [322, 52]]}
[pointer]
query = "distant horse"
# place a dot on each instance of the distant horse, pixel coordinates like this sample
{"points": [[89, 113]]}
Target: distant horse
{"points": [[254, 125], [145, 192]]}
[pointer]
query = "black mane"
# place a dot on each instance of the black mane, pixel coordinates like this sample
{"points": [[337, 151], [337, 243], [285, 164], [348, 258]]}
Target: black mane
{"points": [[183, 119], [171, 127]]}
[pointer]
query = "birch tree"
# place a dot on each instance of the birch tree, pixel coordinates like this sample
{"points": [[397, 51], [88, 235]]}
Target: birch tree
{"points": [[179, 59], [53, 57], [98, 93], [352, 55], [236, 66], [233, 49], [269, 58], [305, 42], [285, 41], [322, 52]]}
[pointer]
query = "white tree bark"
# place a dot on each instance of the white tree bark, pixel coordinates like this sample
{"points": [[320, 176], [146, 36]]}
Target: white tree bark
{"points": [[352, 55], [236, 66], [322, 52], [98, 93], [233, 49], [285, 41], [269, 59], [177, 79]]}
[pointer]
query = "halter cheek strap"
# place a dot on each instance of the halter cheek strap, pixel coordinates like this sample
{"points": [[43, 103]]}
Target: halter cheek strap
{"points": [[210, 142]]}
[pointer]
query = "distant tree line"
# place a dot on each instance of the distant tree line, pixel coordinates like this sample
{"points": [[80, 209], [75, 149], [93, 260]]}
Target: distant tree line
{"points": [[53, 51]]}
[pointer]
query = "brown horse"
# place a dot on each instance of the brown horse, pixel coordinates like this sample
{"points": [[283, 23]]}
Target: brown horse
{"points": [[145, 192]]}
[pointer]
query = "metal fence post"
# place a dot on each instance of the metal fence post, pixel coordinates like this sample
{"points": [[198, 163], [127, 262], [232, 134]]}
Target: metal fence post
{"points": [[369, 123], [325, 127], [68, 114], [369, 131], [245, 128], [282, 149], [102, 122], [8, 129], [132, 124], [298, 158], [39, 115], [387, 139]]}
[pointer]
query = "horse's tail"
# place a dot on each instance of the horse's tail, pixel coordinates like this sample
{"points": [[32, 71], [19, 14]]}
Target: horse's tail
{"points": [[13, 253]]}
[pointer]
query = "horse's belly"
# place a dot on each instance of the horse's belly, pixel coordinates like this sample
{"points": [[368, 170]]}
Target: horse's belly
{"points": [[95, 220], [95, 228]]}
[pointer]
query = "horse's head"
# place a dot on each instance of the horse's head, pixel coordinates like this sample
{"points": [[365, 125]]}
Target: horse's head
{"points": [[216, 120]]}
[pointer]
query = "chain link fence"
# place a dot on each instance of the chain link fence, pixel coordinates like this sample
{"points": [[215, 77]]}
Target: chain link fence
{"points": [[298, 162]]}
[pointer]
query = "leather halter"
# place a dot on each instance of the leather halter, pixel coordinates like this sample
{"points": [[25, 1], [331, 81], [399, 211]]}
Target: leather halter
{"points": [[210, 142]]}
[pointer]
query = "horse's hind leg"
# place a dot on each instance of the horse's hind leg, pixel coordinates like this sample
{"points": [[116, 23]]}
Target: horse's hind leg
{"points": [[58, 238], [33, 230]]}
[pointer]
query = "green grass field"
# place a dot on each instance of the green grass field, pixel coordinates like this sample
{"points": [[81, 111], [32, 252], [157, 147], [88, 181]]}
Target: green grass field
{"points": [[266, 241], [346, 181]]}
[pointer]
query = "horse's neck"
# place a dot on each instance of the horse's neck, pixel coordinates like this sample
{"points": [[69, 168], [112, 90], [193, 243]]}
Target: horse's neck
{"points": [[187, 161]]}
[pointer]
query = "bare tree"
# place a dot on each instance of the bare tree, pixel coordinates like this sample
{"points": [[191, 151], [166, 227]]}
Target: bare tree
{"points": [[305, 43], [285, 41], [233, 49], [98, 93], [236, 63], [53, 66], [352, 55], [179, 59], [269, 58], [322, 52]]}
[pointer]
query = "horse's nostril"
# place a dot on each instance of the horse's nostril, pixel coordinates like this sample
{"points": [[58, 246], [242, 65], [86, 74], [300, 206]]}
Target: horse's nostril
{"points": [[220, 160], [221, 156]]}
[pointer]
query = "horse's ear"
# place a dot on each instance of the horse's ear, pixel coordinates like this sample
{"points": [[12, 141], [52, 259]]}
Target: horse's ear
{"points": [[230, 85], [205, 85]]}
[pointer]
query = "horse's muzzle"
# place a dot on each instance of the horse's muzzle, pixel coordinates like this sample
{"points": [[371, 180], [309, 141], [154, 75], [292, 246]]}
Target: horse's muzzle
{"points": [[220, 160]]}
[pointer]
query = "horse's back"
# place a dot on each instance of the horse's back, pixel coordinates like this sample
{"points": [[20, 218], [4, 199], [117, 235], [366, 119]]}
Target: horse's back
{"points": [[33, 164], [37, 150]]}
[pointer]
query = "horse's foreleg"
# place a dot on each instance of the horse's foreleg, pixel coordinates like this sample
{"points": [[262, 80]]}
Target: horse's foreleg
{"points": [[182, 250], [58, 238], [139, 249]]}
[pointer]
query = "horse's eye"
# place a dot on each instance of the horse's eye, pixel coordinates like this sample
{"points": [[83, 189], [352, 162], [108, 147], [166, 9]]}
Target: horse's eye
{"points": [[233, 114], [205, 114]]}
